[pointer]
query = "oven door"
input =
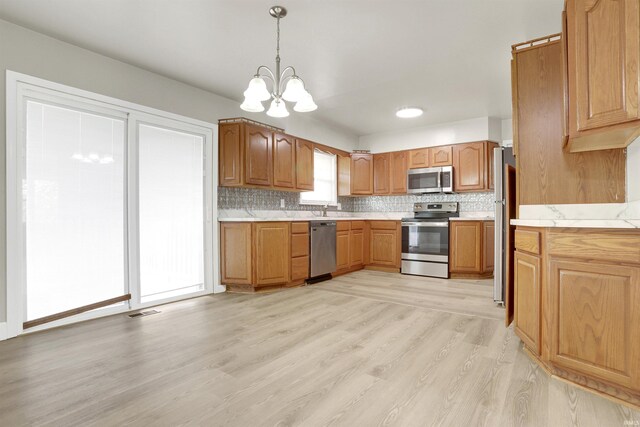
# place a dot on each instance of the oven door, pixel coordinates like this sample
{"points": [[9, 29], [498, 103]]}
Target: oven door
{"points": [[425, 241], [426, 180]]}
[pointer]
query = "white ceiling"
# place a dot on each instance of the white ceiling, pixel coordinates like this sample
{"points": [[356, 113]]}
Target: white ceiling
{"points": [[361, 59]]}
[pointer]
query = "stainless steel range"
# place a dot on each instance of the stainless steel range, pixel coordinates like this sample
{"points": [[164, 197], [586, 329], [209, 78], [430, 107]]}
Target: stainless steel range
{"points": [[425, 239]]}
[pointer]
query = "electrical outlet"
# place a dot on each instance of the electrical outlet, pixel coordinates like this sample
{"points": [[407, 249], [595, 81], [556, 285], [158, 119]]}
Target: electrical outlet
{"points": [[339, 206], [282, 203]]}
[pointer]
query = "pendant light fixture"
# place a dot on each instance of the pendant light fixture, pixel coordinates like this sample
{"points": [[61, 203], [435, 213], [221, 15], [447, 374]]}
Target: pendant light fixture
{"points": [[286, 85]]}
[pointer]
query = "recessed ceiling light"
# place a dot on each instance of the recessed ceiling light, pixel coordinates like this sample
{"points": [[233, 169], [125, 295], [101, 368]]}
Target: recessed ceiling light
{"points": [[409, 112]]}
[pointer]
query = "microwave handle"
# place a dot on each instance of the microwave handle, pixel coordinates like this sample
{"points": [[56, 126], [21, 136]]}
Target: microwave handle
{"points": [[440, 180]]}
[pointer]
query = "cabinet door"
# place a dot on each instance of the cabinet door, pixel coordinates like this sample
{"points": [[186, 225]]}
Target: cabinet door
{"points": [[465, 247], [488, 246], [419, 158], [342, 250], [235, 256], [399, 167], [271, 242], [381, 173], [441, 156], [344, 176], [468, 166], [526, 300], [284, 161], [361, 174], [230, 152], [603, 55], [304, 165], [596, 320], [258, 154], [356, 247], [384, 247]]}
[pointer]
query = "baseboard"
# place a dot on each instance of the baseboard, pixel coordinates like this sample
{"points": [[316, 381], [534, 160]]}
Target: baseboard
{"points": [[3, 331]]}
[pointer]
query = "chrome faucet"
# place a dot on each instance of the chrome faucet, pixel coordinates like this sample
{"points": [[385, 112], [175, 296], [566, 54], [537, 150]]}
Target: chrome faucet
{"points": [[324, 210]]}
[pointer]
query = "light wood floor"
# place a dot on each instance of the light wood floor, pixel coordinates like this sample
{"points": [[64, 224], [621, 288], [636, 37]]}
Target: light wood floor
{"points": [[365, 349]]}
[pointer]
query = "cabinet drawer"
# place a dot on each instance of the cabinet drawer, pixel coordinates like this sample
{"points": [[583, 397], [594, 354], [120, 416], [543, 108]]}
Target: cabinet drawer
{"points": [[615, 247], [299, 245], [383, 225], [343, 225], [528, 241], [299, 227], [357, 225], [299, 268]]}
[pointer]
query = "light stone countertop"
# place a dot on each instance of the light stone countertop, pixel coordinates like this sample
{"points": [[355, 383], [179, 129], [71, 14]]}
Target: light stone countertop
{"points": [[319, 218], [596, 215], [473, 218]]}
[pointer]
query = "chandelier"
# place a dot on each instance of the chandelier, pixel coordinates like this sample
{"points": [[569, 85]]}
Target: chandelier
{"points": [[294, 91]]}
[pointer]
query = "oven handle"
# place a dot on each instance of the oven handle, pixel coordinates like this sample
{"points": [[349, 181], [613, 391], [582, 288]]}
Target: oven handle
{"points": [[425, 224]]}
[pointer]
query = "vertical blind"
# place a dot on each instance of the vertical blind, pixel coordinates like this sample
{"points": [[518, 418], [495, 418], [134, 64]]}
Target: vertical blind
{"points": [[325, 181]]}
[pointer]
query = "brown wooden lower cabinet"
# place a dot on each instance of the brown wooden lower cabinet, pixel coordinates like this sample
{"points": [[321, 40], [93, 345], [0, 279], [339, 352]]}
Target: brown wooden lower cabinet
{"points": [[350, 242], [471, 247], [385, 244], [577, 305]]}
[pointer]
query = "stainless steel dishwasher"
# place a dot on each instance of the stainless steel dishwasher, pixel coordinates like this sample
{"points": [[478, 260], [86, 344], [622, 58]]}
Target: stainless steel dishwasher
{"points": [[323, 250]]}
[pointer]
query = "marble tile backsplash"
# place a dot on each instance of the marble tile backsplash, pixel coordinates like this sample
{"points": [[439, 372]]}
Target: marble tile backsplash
{"points": [[468, 202], [258, 199]]}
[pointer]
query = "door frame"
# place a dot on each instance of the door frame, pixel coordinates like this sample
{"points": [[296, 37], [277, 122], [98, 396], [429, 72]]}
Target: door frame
{"points": [[17, 87]]}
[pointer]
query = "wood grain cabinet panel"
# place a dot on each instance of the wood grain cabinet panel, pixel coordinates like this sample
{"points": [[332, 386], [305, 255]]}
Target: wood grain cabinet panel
{"points": [[488, 245], [527, 241], [356, 248], [469, 166], [399, 167], [596, 323], [304, 165], [342, 250], [384, 247], [381, 173], [230, 147], [272, 252], [419, 158], [299, 268], [539, 135], [344, 176], [299, 245], [527, 282], [465, 247], [603, 51], [258, 155], [284, 161], [361, 174], [235, 253], [441, 156]]}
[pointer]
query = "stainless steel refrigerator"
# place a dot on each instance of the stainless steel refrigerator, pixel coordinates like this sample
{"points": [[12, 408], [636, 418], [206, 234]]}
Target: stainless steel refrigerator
{"points": [[504, 175]]}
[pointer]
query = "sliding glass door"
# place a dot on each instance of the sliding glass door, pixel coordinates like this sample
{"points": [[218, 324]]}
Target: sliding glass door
{"points": [[110, 206], [171, 206], [75, 210]]}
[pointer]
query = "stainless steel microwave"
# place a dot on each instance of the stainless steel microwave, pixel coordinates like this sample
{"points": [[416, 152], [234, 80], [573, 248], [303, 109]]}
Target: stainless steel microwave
{"points": [[430, 180]]}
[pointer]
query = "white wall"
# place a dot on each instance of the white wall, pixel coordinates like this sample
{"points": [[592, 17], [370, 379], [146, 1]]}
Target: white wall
{"points": [[479, 129], [633, 171], [507, 131], [32, 53]]}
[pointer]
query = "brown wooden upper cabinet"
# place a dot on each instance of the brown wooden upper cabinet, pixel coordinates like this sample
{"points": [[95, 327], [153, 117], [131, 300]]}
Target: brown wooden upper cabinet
{"points": [[399, 167], [284, 160], [381, 173], [304, 165], [251, 155], [603, 69], [361, 174], [471, 164], [441, 156], [419, 158], [344, 175], [231, 147], [258, 155]]}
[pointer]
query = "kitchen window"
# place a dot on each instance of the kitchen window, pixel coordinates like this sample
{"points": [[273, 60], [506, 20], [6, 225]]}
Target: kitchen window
{"points": [[325, 181]]}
